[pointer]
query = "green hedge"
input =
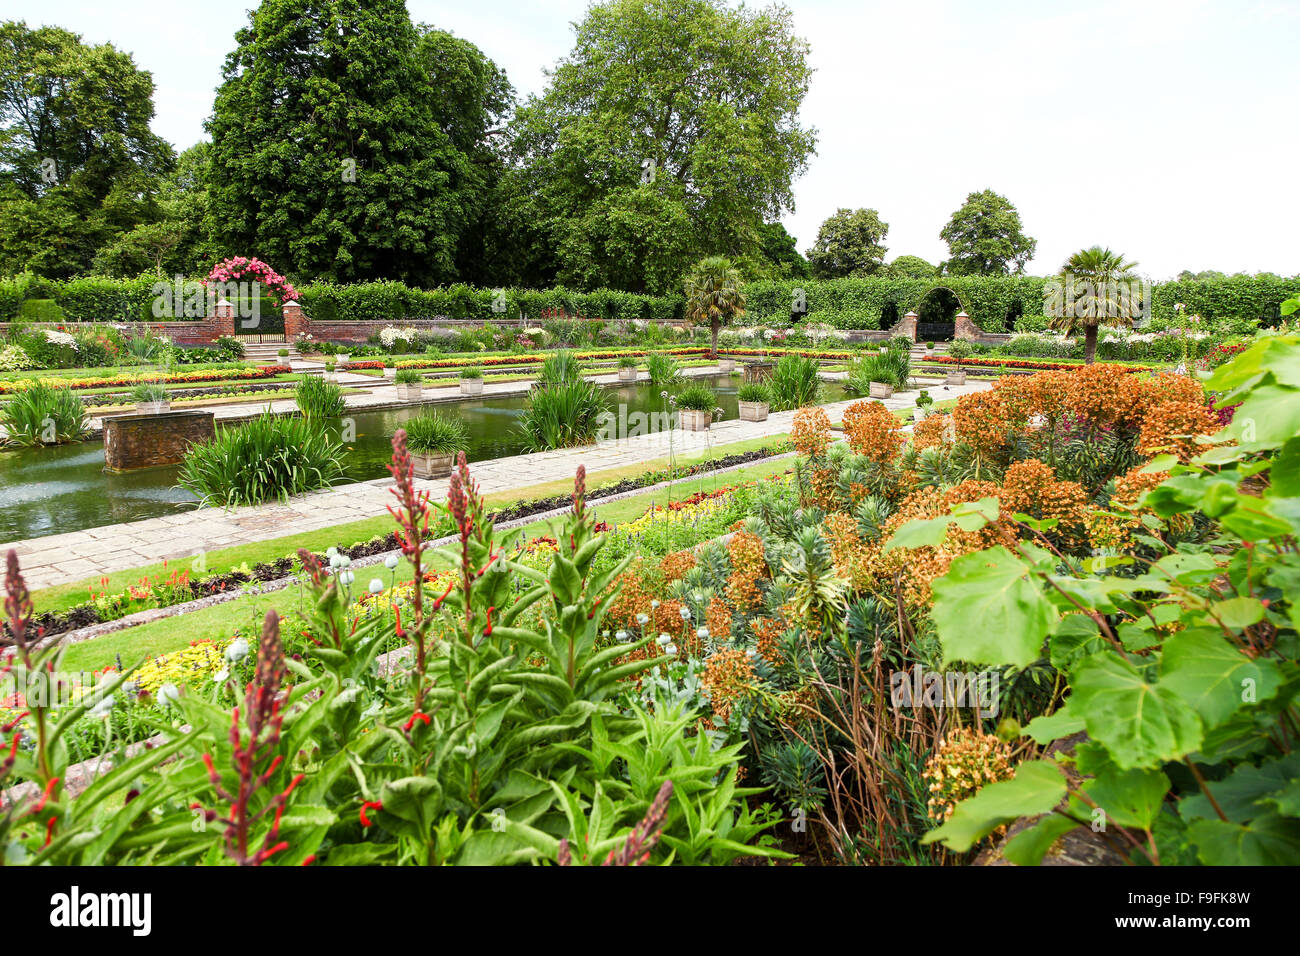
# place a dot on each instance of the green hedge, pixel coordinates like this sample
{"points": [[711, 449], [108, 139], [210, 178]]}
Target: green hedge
{"points": [[1235, 304]]}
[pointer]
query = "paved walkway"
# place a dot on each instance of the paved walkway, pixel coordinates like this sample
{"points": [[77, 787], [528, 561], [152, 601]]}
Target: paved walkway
{"points": [[73, 556]]}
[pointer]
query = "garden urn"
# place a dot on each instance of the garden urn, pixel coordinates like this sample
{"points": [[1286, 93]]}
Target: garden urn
{"points": [[956, 377], [390, 374], [409, 393], [627, 374], [342, 358], [727, 365]]}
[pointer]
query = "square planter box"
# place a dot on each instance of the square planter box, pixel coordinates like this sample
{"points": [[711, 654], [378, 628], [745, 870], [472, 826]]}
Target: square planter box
{"points": [[331, 376], [471, 386], [727, 365], [432, 465], [693, 421], [409, 393], [627, 375], [390, 374], [153, 408], [754, 411], [881, 390], [956, 378], [342, 358]]}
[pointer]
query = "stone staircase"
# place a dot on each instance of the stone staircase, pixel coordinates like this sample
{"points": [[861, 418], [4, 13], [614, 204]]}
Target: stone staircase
{"points": [[268, 353]]}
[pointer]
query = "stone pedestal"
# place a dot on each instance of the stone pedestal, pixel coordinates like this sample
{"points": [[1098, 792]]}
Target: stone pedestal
{"points": [[296, 322], [906, 326], [964, 328], [132, 442]]}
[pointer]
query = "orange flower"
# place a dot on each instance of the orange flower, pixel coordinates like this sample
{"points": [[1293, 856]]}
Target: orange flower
{"points": [[811, 432], [1172, 427], [873, 431]]}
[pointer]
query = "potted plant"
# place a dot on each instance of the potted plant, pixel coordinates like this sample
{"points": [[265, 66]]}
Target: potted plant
{"points": [[695, 407], [330, 374], [433, 440], [959, 350], [929, 346], [627, 369], [283, 356], [880, 390], [409, 384], [471, 380], [727, 364], [754, 402], [923, 402], [150, 399], [342, 356], [390, 370]]}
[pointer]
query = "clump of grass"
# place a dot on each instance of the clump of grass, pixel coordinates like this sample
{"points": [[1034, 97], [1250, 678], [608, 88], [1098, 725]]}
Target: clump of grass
{"points": [[564, 415], [318, 399], [43, 415], [435, 433], [148, 392], [697, 398], [892, 367], [754, 392], [795, 383], [408, 376], [270, 457], [560, 366], [627, 361], [471, 372], [665, 371]]}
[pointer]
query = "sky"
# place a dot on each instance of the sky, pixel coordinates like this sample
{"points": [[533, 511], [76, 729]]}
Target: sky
{"points": [[1167, 130]]}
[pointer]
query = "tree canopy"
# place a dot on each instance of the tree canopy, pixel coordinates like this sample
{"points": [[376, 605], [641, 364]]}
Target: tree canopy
{"points": [[985, 237], [849, 243]]}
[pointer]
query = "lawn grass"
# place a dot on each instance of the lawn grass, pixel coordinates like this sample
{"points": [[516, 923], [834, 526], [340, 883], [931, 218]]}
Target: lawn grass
{"points": [[60, 597], [219, 623]]}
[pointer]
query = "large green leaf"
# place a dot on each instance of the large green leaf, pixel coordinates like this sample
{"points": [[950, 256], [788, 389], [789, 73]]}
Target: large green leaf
{"points": [[1244, 793], [1142, 724], [1037, 787], [989, 610], [1212, 675], [1269, 840]]}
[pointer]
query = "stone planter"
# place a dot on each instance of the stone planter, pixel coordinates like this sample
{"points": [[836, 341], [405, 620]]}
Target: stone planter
{"points": [[432, 464], [693, 421], [152, 408], [409, 393], [627, 375], [332, 376], [390, 374], [759, 371], [471, 386], [957, 377], [881, 390], [754, 411], [342, 358], [147, 441], [727, 365]]}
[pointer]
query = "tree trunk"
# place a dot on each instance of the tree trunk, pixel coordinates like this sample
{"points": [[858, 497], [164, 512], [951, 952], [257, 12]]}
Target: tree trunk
{"points": [[714, 328], [1089, 344]]}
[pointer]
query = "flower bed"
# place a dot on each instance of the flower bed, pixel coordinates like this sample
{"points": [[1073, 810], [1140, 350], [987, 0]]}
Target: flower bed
{"points": [[525, 358], [1030, 364], [251, 373]]}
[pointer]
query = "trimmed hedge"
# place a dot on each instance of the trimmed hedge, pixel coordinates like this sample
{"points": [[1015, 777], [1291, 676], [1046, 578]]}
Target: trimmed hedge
{"points": [[1236, 304]]}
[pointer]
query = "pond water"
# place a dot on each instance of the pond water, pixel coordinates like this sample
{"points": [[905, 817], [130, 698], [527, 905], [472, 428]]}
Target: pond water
{"points": [[65, 488]]}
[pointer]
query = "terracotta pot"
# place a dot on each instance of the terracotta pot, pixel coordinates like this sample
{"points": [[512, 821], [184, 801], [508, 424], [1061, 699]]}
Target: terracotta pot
{"points": [[956, 378], [754, 411], [627, 375], [881, 390], [432, 464], [153, 408], [409, 393], [694, 421], [471, 386]]}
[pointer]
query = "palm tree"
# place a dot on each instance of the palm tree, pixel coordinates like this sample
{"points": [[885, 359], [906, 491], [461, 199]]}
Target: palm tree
{"points": [[713, 294], [1096, 289]]}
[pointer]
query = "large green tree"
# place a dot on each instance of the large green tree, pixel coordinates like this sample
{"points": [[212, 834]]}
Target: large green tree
{"points": [[670, 131], [849, 243], [713, 295], [348, 144], [78, 162], [985, 237]]}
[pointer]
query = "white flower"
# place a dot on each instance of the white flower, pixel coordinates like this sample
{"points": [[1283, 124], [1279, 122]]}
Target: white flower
{"points": [[237, 650], [620, 636], [347, 577], [642, 619], [663, 640], [654, 603], [685, 613], [59, 338], [701, 632], [392, 561], [376, 585], [168, 694], [671, 650]]}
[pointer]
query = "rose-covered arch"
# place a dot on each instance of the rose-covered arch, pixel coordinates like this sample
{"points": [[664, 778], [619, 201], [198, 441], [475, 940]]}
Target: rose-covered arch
{"points": [[240, 267]]}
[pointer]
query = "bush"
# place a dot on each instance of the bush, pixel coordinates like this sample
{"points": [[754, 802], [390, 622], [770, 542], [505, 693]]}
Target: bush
{"points": [[560, 366], [408, 376], [795, 383], [147, 392], [564, 415], [627, 361], [42, 415], [889, 368], [665, 371], [471, 372], [697, 398], [318, 399], [267, 458], [41, 310], [433, 433], [753, 392]]}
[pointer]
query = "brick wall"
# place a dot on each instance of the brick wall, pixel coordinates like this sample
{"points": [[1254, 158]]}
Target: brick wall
{"points": [[182, 333], [146, 441]]}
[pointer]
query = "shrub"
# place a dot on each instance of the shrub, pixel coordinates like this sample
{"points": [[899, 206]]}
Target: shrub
{"points": [[318, 399], [890, 368], [471, 372], [270, 457], [408, 376], [564, 415], [434, 433], [753, 392], [665, 371], [961, 349], [795, 383], [627, 361], [560, 366], [697, 398], [13, 358], [42, 415], [41, 310], [147, 392]]}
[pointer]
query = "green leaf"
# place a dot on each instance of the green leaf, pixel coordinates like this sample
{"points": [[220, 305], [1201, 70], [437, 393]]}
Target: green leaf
{"points": [[1037, 787], [1063, 723], [989, 609], [1029, 846], [1243, 793], [1208, 672], [1131, 798], [1140, 723], [1269, 840]]}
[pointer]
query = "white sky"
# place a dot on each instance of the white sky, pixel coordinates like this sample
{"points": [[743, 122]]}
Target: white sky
{"points": [[1166, 130]]}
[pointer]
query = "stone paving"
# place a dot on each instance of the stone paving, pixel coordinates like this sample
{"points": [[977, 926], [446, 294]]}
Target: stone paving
{"points": [[73, 556]]}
